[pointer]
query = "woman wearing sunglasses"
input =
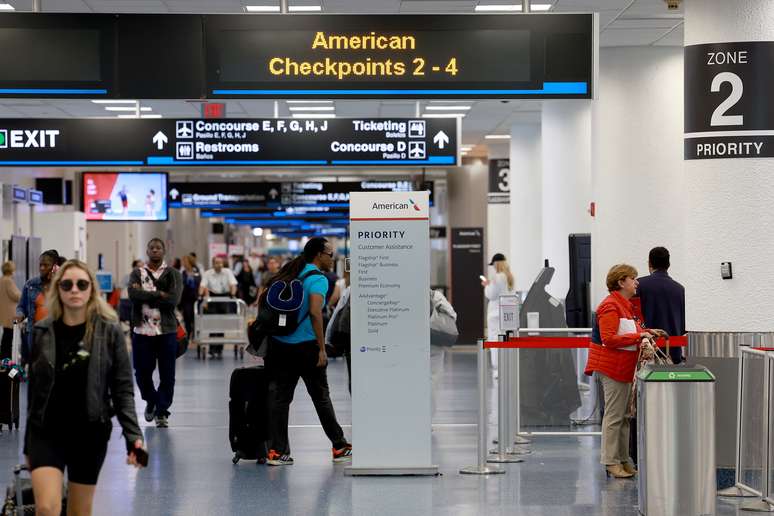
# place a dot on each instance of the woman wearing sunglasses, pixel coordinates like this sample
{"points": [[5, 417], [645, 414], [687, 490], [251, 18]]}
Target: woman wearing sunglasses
{"points": [[80, 375]]}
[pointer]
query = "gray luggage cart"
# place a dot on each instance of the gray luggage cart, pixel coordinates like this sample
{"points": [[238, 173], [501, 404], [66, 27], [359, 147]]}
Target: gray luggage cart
{"points": [[220, 320]]}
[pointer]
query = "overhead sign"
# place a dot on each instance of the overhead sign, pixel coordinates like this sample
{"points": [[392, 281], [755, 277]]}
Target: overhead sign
{"points": [[275, 56], [231, 142], [728, 112], [298, 195], [499, 181], [400, 56], [390, 267]]}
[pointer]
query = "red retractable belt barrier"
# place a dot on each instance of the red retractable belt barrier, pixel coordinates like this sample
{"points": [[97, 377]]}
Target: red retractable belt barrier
{"points": [[565, 342]]}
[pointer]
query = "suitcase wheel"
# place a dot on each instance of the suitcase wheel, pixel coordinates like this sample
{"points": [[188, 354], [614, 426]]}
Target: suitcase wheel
{"points": [[236, 458]]}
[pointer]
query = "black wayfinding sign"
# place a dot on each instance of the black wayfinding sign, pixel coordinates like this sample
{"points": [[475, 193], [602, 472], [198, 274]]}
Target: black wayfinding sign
{"points": [[275, 56], [229, 142], [499, 181], [729, 111], [467, 263]]}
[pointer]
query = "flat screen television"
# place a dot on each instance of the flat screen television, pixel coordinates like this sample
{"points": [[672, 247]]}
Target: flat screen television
{"points": [[125, 196]]}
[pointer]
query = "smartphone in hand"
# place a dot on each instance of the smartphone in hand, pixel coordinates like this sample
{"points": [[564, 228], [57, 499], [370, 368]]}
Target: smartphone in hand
{"points": [[142, 456]]}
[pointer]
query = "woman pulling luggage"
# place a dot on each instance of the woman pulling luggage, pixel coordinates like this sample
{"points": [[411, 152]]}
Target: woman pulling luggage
{"points": [[79, 365]]}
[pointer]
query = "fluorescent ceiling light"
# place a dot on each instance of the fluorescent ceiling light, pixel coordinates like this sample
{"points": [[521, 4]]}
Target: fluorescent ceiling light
{"points": [[141, 116], [114, 101], [262, 8], [309, 101], [511, 7], [7, 7], [304, 8], [127, 108], [443, 115], [466, 148], [447, 108], [314, 115], [312, 108], [498, 136]]}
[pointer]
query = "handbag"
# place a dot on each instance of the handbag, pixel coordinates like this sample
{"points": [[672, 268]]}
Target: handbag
{"points": [[443, 321], [181, 335]]}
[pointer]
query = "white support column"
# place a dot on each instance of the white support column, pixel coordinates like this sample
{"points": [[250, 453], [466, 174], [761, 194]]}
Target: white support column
{"points": [[526, 185], [728, 202], [566, 192], [637, 167]]}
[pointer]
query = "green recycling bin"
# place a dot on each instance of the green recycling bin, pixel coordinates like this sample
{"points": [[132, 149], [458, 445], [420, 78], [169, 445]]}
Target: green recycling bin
{"points": [[676, 439]]}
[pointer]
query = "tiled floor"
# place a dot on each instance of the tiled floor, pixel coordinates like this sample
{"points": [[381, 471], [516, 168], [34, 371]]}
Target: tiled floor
{"points": [[190, 471]]}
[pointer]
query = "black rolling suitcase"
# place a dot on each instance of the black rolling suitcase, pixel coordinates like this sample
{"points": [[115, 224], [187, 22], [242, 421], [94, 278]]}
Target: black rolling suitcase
{"points": [[248, 411], [9, 398], [19, 498]]}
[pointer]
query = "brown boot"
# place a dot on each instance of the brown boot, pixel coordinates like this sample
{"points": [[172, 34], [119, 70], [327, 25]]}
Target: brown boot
{"points": [[629, 468], [617, 471]]}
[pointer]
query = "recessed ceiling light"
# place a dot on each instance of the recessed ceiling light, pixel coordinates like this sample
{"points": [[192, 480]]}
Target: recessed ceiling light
{"points": [[7, 7], [311, 108], [304, 8], [114, 101], [510, 7], [262, 8], [127, 108], [448, 108], [443, 115], [309, 101], [498, 136], [314, 115]]}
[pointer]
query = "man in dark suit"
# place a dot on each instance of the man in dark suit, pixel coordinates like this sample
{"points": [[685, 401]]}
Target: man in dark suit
{"points": [[662, 299]]}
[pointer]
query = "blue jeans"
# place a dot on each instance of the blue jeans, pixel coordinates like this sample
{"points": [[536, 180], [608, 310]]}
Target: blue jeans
{"points": [[146, 352]]}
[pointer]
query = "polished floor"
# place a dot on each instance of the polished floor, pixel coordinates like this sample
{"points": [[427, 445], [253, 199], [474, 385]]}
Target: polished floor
{"points": [[190, 471]]}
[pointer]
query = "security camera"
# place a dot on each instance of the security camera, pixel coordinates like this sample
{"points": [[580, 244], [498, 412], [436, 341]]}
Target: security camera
{"points": [[672, 4]]}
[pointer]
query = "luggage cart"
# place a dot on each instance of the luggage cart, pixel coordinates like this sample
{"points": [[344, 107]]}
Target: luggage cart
{"points": [[214, 325]]}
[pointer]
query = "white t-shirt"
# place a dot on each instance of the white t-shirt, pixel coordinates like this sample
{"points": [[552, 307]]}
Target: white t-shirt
{"points": [[218, 283]]}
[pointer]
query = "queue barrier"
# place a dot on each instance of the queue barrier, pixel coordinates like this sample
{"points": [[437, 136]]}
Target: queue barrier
{"points": [[509, 443], [754, 476]]}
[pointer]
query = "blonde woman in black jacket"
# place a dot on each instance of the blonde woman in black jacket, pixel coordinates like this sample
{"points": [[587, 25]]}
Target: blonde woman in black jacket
{"points": [[80, 376]]}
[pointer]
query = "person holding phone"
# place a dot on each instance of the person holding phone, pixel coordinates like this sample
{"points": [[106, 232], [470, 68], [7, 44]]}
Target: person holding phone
{"points": [[502, 284], [32, 305], [79, 376]]}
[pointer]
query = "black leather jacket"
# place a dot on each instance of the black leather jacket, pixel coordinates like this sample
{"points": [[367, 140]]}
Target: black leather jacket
{"points": [[110, 389]]}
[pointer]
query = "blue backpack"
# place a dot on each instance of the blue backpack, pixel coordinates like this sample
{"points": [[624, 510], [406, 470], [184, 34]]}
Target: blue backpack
{"points": [[279, 314]]}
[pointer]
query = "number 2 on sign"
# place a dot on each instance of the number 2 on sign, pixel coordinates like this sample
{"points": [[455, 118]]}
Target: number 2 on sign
{"points": [[719, 116]]}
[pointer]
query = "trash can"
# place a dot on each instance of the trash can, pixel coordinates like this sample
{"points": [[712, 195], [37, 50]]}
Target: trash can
{"points": [[676, 440]]}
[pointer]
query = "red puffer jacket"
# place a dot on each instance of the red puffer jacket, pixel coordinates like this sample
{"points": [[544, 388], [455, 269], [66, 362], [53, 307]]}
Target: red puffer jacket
{"points": [[616, 358]]}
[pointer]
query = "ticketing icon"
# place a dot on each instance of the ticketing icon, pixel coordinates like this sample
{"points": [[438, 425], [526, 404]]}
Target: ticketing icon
{"points": [[185, 150], [416, 129], [416, 150], [184, 129]]}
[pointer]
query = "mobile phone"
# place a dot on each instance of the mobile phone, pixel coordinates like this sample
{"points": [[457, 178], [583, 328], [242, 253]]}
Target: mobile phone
{"points": [[483, 278], [141, 455]]}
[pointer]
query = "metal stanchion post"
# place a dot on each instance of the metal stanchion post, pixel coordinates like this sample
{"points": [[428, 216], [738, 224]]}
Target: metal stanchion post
{"points": [[764, 505], [482, 468], [517, 439], [501, 453]]}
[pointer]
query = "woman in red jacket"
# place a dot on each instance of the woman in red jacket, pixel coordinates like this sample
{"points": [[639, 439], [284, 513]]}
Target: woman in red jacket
{"points": [[615, 362]]}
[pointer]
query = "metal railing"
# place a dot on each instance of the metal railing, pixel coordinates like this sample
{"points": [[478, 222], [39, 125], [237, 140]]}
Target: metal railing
{"points": [[754, 450]]}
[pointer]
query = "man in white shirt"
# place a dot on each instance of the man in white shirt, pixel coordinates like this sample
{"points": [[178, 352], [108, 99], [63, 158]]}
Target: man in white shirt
{"points": [[218, 282]]}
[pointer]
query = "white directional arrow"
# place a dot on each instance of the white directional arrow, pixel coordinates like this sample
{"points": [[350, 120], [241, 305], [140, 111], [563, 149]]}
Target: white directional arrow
{"points": [[160, 139], [440, 139]]}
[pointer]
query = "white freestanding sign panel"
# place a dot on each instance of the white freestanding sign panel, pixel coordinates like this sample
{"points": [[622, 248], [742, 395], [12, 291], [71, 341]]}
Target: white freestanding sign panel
{"points": [[390, 272]]}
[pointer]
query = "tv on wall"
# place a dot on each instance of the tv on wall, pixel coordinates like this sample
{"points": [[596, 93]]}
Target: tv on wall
{"points": [[125, 196]]}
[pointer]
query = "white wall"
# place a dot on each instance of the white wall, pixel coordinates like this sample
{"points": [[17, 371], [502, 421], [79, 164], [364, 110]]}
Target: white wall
{"points": [[637, 161], [566, 191], [526, 254]]}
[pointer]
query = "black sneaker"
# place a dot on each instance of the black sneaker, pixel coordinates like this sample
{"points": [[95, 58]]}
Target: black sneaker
{"points": [[162, 422], [275, 459], [150, 412]]}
